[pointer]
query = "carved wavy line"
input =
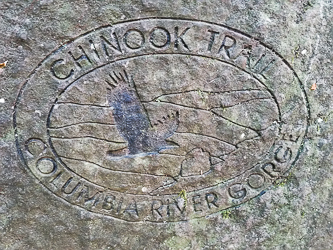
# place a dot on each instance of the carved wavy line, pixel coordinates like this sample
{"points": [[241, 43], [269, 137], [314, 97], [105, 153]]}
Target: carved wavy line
{"points": [[249, 100], [254, 130], [207, 92], [86, 137], [229, 106], [82, 104], [111, 170], [79, 123], [217, 156], [208, 136]]}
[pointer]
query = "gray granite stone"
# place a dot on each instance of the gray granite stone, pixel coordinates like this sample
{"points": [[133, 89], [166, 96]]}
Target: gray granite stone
{"points": [[166, 125]]}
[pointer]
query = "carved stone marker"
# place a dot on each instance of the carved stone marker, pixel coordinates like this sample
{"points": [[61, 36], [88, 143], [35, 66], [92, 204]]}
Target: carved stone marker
{"points": [[151, 122], [131, 115]]}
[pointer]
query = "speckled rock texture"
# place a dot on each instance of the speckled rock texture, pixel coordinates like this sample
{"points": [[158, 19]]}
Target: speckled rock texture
{"points": [[166, 144]]}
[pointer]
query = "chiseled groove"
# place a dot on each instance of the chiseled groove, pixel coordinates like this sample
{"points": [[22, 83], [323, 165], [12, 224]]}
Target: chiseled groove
{"points": [[209, 92], [86, 137], [249, 100], [190, 133], [79, 123], [171, 154], [116, 171], [82, 104], [254, 130], [217, 156]]}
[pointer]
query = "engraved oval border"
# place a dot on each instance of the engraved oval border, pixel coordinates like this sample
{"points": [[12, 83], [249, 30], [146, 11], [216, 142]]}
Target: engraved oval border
{"points": [[145, 19]]}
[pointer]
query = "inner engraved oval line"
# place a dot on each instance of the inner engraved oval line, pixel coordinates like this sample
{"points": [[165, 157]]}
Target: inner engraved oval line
{"points": [[138, 56]]}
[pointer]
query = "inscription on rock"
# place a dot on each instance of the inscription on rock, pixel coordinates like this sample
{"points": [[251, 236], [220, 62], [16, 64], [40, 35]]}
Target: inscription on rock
{"points": [[135, 114]]}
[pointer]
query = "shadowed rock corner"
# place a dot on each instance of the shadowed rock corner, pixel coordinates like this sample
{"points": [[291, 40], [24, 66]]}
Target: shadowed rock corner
{"points": [[132, 120]]}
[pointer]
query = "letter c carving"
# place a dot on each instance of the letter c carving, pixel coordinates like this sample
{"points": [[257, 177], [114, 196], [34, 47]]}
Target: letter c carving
{"points": [[57, 62]]}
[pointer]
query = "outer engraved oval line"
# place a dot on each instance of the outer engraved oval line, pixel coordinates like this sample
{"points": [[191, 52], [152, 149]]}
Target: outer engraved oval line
{"points": [[140, 20]]}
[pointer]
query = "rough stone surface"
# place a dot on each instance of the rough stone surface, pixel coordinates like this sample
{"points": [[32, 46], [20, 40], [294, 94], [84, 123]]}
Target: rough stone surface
{"points": [[240, 147]]}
